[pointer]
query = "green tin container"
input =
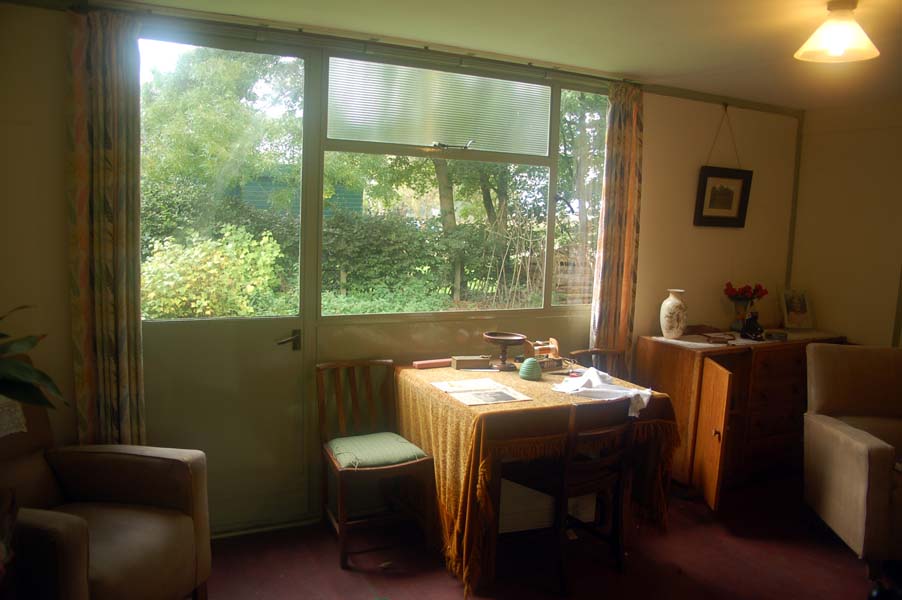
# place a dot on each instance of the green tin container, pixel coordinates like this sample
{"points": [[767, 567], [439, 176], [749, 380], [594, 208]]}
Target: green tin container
{"points": [[531, 370]]}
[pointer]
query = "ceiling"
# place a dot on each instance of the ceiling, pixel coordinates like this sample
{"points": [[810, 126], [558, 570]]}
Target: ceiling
{"points": [[735, 48]]}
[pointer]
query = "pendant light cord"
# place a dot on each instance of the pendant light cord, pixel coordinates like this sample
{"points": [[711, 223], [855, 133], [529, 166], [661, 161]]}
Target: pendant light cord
{"points": [[723, 117]]}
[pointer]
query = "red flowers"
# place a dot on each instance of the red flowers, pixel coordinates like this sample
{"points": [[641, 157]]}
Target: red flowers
{"points": [[746, 292]]}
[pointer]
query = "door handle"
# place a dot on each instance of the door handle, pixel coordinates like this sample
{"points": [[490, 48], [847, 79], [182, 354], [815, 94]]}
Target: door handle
{"points": [[295, 340], [716, 434]]}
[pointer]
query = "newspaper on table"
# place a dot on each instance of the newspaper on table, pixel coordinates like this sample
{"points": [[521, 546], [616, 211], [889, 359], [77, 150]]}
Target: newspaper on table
{"points": [[480, 391]]}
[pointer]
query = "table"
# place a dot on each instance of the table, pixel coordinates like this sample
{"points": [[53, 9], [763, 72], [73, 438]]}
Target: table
{"points": [[467, 485]]}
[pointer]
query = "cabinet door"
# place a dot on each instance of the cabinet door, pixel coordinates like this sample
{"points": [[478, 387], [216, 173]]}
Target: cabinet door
{"points": [[675, 371], [711, 432]]}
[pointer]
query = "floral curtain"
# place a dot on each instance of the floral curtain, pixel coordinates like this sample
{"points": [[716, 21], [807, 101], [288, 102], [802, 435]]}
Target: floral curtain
{"points": [[614, 289], [104, 223]]}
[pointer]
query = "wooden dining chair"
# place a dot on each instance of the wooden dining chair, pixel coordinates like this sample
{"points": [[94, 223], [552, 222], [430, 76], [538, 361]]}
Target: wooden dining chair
{"points": [[600, 358], [361, 447], [596, 462], [521, 442]]}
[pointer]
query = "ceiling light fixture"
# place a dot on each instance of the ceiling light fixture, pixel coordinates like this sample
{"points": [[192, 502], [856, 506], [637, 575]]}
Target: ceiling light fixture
{"points": [[839, 38]]}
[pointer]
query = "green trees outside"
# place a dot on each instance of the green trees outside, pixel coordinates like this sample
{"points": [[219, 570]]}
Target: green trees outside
{"points": [[429, 235]]}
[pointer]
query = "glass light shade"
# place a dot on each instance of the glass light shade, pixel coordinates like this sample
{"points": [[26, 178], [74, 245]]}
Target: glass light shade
{"points": [[838, 39]]}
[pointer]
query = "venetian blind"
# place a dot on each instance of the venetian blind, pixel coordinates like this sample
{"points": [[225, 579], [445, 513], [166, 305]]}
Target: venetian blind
{"points": [[378, 102]]}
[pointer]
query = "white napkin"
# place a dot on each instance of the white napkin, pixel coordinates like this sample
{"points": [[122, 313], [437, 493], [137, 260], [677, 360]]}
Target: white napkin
{"points": [[598, 385]]}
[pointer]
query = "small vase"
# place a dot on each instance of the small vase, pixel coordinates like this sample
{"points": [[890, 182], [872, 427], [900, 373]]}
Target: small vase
{"points": [[741, 310], [673, 314]]}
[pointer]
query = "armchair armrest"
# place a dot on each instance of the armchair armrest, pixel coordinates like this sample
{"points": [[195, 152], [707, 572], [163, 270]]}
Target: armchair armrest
{"points": [[51, 555], [161, 477], [848, 482]]}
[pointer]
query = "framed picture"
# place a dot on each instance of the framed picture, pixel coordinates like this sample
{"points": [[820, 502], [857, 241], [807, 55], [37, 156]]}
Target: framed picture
{"points": [[796, 310], [723, 197]]}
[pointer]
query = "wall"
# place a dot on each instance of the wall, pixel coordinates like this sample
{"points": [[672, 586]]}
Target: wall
{"points": [[673, 253], [848, 250], [33, 217]]}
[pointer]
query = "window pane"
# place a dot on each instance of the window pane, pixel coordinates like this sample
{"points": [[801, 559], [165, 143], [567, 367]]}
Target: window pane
{"points": [[376, 102], [578, 202], [220, 182], [404, 234]]}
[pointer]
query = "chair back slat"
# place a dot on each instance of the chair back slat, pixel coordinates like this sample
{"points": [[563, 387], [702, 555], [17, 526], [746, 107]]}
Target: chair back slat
{"points": [[370, 402], [388, 391], [321, 407], [355, 406], [339, 404], [353, 400]]}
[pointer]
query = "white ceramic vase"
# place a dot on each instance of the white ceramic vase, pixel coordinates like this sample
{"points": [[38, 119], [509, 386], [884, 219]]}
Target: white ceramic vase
{"points": [[673, 314]]}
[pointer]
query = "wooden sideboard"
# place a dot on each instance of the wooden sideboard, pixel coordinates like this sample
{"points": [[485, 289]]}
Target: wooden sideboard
{"points": [[738, 407]]}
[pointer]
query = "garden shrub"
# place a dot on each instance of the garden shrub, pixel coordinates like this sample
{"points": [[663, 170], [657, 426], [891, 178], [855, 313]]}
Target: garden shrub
{"points": [[231, 275]]}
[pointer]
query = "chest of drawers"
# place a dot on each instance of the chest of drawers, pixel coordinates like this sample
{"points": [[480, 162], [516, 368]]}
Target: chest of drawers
{"points": [[738, 408]]}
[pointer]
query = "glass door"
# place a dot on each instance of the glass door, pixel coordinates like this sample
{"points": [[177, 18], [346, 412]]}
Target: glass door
{"points": [[221, 179]]}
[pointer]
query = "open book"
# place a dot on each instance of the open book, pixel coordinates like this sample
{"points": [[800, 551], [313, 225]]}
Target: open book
{"points": [[480, 391]]}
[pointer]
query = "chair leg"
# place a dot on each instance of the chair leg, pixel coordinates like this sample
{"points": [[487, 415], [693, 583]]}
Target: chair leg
{"points": [[875, 569], [324, 476], [617, 525], [342, 523], [560, 526], [200, 592]]}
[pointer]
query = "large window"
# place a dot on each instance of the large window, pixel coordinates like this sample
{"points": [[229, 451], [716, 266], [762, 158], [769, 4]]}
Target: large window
{"points": [[428, 233], [441, 190]]}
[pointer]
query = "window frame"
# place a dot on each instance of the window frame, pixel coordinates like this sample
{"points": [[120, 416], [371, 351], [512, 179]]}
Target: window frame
{"points": [[315, 51]]}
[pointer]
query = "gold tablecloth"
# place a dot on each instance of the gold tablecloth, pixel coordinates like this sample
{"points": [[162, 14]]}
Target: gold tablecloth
{"points": [[454, 434]]}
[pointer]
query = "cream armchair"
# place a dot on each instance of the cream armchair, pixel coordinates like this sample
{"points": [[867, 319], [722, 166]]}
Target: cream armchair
{"points": [[105, 522], [853, 446]]}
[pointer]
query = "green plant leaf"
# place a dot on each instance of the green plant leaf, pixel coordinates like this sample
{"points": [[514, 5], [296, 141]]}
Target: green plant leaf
{"points": [[20, 345], [25, 393], [17, 370], [11, 311]]}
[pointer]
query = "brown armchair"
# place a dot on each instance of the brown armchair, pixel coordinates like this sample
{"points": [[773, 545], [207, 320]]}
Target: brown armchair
{"points": [[106, 521]]}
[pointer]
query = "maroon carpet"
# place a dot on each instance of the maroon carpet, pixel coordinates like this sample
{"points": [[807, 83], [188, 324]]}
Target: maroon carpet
{"points": [[764, 544]]}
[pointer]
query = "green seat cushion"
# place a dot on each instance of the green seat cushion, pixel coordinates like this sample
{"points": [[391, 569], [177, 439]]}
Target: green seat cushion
{"points": [[373, 450]]}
